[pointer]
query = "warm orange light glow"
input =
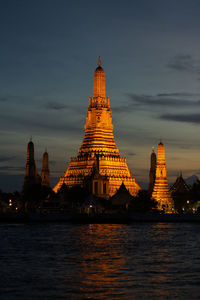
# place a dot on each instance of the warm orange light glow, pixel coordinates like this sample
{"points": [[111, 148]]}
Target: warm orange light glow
{"points": [[99, 146], [161, 191]]}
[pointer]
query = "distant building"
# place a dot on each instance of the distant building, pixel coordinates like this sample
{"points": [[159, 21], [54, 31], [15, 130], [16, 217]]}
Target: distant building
{"points": [[122, 198], [161, 191], [91, 205], [31, 175], [181, 194], [99, 144], [152, 172], [45, 174]]}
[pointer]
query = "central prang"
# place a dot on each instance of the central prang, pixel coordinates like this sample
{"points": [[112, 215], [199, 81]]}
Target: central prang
{"points": [[98, 160]]}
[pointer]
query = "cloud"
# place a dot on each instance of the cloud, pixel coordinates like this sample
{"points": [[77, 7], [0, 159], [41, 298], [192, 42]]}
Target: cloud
{"points": [[179, 94], [165, 99], [156, 104], [158, 101], [17, 98], [53, 105], [187, 118], [131, 154], [6, 158], [184, 63], [123, 108], [11, 168], [35, 122], [38, 102], [3, 99], [56, 106]]}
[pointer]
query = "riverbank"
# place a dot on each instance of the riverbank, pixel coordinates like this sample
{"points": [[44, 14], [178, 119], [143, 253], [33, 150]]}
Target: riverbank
{"points": [[102, 218]]}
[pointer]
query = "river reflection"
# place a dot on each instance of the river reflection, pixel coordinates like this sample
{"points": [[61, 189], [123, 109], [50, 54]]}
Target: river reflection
{"points": [[102, 260], [99, 261]]}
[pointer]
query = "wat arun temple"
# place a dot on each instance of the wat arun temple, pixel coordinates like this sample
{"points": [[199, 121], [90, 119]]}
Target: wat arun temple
{"points": [[98, 162]]}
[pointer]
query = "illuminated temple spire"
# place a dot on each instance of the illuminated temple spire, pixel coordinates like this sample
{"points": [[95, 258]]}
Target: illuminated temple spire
{"points": [[99, 146], [99, 127], [99, 89], [161, 191]]}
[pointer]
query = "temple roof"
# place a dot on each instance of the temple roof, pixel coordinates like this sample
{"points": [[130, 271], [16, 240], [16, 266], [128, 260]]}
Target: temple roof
{"points": [[180, 186], [99, 68], [30, 143], [122, 196]]}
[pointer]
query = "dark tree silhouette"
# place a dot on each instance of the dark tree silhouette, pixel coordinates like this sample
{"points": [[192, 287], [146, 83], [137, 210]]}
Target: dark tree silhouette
{"points": [[143, 202]]}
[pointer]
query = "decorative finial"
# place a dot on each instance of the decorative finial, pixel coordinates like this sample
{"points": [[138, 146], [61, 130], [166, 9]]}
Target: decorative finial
{"points": [[153, 149], [99, 61], [31, 138], [45, 149]]}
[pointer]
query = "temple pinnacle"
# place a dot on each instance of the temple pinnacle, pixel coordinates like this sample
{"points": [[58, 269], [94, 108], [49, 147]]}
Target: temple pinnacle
{"points": [[99, 89], [99, 61], [31, 175], [45, 174], [152, 172]]}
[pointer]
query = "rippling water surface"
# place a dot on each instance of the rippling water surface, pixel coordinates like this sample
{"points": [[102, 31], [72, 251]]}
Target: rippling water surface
{"points": [[100, 261]]}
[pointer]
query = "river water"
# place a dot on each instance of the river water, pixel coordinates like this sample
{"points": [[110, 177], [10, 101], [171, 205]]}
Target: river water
{"points": [[100, 261]]}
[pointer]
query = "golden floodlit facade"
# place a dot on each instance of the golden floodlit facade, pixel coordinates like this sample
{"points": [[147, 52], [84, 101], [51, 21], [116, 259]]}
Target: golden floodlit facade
{"points": [[161, 191], [98, 159]]}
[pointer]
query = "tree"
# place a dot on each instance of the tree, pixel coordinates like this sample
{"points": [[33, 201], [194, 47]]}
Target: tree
{"points": [[72, 197], [195, 191], [143, 202], [34, 195]]}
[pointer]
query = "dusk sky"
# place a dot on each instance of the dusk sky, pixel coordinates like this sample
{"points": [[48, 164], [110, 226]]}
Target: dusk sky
{"points": [[150, 52]]}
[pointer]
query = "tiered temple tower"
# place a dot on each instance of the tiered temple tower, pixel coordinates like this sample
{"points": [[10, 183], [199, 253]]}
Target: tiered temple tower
{"points": [[161, 191], [31, 175], [99, 147], [152, 172], [45, 170]]}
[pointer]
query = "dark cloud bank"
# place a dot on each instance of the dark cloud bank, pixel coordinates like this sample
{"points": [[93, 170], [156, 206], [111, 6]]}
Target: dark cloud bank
{"points": [[185, 63], [6, 158], [165, 101], [187, 118]]}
